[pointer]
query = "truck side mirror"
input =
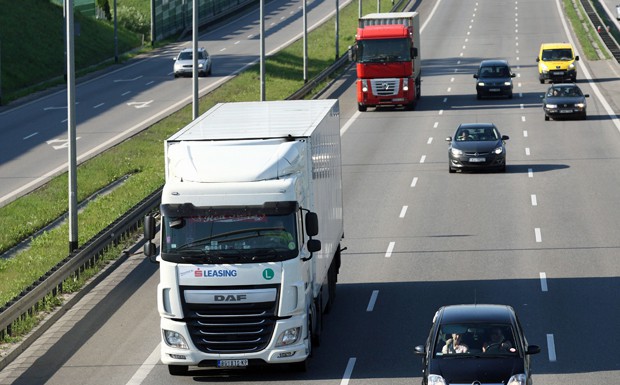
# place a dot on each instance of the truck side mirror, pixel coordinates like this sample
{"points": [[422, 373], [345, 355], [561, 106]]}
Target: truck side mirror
{"points": [[414, 52], [149, 235], [312, 224], [314, 245], [353, 53]]}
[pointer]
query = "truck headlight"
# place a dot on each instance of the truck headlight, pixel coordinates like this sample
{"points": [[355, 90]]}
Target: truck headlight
{"points": [[436, 379], [174, 339], [517, 379], [289, 336]]}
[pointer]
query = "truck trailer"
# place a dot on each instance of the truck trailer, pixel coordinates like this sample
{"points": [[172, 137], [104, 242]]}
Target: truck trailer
{"points": [[251, 229], [387, 55]]}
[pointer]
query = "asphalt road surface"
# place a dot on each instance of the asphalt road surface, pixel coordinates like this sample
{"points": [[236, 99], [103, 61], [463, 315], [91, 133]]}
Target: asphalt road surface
{"points": [[542, 237]]}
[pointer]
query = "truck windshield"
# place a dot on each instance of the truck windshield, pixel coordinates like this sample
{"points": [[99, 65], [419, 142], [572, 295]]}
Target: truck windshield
{"points": [[384, 50], [229, 236]]}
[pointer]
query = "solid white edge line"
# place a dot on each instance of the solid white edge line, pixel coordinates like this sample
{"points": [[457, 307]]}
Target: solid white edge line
{"points": [[373, 300], [146, 367], [349, 122], [389, 250], [551, 348], [543, 281], [348, 371]]}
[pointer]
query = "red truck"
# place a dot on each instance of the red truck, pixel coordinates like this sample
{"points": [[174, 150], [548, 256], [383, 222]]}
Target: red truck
{"points": [[387, 54]]}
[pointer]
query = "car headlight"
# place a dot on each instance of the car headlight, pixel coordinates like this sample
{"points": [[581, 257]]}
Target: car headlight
{"points": [[544, 68], [480, 84], [551, 105], [571, 66], [456, 152], [201, 65], [289, 336], [498, 150], [436, 379], [507, 83], [517, 379], [580, 105], [174, 339]]}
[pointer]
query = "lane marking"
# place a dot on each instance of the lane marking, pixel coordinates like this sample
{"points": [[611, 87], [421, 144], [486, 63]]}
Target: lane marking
{"points": [[99, 105], [530, 173], [534, 201], [423, 158], [348, 371], [430, 140], [525, 133], [414, 181], [151, 361], [373, 300], [390, 248], [538, 235], [31, 135], [543, 281], [551, 348], [527, 151], [403, 211]]}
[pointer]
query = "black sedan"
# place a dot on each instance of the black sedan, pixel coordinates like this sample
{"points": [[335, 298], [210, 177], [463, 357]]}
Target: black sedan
{"points": [[476, 344], [565, 101], [477, 146]]}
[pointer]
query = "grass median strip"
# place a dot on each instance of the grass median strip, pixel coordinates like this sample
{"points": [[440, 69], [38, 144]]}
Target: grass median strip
{"points": [[141, 157]]}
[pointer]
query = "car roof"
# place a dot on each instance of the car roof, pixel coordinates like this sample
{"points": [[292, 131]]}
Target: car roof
{"points": [[557, 85], [485, 313], [493, 62], [555, 45], [191, 49], [476, 125]]}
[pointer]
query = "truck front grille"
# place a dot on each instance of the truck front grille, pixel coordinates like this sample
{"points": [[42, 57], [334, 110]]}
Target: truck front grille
{"points": [[385, 87], [230, 327]]}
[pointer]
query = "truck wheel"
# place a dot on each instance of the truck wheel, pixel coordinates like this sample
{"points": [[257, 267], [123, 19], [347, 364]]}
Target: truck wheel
{"points": [[177, 370], [317, 321], [361, 107], [411, 106], [418, 89]]}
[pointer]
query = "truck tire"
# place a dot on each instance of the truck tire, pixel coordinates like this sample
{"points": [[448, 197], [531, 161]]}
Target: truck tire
{"points": [[361, 107], [178, 370]]}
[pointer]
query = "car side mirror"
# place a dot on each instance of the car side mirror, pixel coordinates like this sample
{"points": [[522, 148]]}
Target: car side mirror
{"points": [[576, 57], [449, 139], [537, 59], [533, 349], [475, 76], [512, 75], [419, 350], [586, 95], [505, 137]]}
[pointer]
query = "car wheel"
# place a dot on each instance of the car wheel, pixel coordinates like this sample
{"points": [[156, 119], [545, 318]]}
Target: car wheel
{"points": [[510, 95], [361, 107], [478, 96], [546, 117], [451, 170], [584, 116], [542, 81]]}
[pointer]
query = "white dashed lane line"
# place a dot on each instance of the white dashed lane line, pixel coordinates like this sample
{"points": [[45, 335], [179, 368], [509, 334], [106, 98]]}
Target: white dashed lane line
{"points": [[551, 348], [373, 300], [390, 248], [543, 281]]}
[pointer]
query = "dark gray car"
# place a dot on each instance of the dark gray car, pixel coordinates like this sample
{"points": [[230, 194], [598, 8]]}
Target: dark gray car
{"points": [[494, 78], [476, 344], [565, 100], [477, 146]]}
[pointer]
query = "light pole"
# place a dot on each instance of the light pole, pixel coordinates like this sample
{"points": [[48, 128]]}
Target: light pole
{"points": [[71, 131]]}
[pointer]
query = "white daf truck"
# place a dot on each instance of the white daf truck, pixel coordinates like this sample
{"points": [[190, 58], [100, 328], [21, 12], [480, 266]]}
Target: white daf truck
{"points": [[251, 224]]}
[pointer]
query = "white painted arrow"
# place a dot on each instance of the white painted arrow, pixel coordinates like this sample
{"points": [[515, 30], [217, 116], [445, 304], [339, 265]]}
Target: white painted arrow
{"points": [[140, 104], [64, 143]]}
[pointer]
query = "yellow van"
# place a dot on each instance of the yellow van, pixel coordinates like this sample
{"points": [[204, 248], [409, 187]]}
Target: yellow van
{"points": [[556, 62]]}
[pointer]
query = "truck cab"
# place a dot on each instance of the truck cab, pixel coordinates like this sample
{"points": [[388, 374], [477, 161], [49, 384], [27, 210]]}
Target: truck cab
{"points": [[556, 63]]}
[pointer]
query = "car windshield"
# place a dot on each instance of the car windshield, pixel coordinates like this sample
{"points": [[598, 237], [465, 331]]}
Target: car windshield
{"points": [[569, 91], [483, 134], [187, 55], [494, 72], [560, 54], [475, 340]]}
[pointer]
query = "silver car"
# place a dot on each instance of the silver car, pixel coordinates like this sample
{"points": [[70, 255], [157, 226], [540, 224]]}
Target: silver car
{"points": [[183, 63]]}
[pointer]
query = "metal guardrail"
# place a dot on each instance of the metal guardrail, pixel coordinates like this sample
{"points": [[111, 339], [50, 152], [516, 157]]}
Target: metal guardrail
{"points": [[601, 26]]}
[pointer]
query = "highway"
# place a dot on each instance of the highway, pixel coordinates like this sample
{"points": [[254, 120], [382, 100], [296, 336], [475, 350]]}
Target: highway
{"points": [[122, 102], [542, 237]]}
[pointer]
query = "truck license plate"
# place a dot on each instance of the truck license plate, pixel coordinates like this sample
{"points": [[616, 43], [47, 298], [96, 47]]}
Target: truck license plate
{"points": [[476, 160], [232, 363]]}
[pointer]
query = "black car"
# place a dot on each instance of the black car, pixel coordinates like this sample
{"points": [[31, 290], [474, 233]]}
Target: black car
{"points": [[476, 344], [494, 78], [477, 146], [565, 101]]}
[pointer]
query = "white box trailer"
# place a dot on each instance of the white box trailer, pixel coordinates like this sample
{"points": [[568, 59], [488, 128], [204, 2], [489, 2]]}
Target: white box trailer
{"points": [[250, 234]]}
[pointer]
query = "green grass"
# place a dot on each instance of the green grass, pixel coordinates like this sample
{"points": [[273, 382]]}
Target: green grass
{"points": [[585, 35], [32, 46]]}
